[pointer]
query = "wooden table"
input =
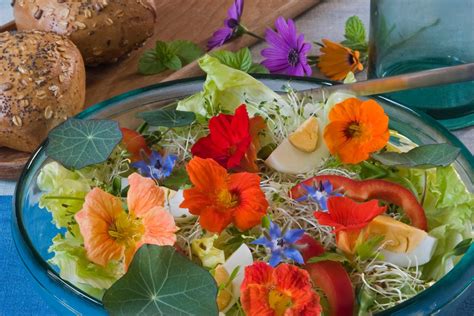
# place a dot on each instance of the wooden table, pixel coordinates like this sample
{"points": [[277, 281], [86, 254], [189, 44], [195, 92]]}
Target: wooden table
{"points": [[325, 20]]}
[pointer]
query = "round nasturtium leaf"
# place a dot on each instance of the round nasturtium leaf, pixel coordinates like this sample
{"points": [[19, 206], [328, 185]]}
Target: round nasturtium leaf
{"points": [[168, 118], [161, 281], [79, 143]]}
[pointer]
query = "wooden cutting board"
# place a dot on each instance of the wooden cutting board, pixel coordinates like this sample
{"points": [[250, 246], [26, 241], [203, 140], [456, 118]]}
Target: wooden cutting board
{"points": [[193, 20]]}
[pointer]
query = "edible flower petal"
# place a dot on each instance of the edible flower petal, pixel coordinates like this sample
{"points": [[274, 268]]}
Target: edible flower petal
{"points": [[220, 198], [357, 128], [284, 290], [318, 192], [156, 166], [232, 141], [337, 60], [231, 26], [348, 219], [346, 215], [135, 143], [111, 233], [281, 245], [288, 51]]}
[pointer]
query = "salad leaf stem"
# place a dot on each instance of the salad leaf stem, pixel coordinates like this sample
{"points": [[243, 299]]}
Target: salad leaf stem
{"points": [[142, 128], [246, 31]]}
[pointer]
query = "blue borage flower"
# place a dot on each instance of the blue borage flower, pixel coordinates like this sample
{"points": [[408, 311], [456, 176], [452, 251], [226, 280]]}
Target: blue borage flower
{"points": [[281, 244], [156, 166], [318, 192]]}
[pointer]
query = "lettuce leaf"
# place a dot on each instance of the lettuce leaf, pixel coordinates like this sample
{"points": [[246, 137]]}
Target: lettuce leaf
{"points": [[226, 88], [64, 192], [70, 258], [449, 208]]}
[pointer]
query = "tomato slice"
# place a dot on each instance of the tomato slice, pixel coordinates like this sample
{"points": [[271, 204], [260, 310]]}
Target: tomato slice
{"points": [[363, 190], [134, 142], [330, 277]]}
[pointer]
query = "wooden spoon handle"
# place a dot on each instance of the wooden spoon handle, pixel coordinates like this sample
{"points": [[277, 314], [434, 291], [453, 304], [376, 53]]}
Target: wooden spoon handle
{"points": [[426, 78]]}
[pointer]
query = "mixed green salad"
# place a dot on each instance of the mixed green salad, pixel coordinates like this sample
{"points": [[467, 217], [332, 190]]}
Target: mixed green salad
{"points": [[242, 201]]}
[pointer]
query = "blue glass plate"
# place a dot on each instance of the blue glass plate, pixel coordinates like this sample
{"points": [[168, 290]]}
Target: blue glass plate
{"points": [[33, 230]]}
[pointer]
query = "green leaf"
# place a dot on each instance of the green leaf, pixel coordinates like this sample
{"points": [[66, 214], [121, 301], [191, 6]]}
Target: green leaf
{"points": [[173, 55], [240, 60], [160, 281], [331, 256], [178, 179], [173, 63], [168, 118], [149, 64], [186, 51], [368, 249], [425, 156], [266, 222], [462, 247], [78, 143], [163, 51], [355, 30], [258, 69], [365, 300]]}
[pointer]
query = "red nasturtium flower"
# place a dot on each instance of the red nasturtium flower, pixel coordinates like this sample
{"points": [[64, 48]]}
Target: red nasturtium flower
{"points": [[282, 291], [348, 219], [134, 142], [111, 233], [232, 141], [220, 198]]}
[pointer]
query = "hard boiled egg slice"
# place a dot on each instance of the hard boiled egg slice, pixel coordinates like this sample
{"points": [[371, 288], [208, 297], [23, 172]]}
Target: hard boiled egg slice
{"points": [[404, 245], [287, 158], [305, 138], [173, 200], [241, 258]]}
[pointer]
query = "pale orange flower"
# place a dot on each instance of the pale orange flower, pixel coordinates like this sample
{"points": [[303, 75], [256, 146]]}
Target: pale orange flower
{"points": [[357, 128], [110, 233], [337, 60], [220, 198]]}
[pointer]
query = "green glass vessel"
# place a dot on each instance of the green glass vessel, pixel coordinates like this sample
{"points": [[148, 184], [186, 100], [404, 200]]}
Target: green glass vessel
{"points": [[408, 36]]}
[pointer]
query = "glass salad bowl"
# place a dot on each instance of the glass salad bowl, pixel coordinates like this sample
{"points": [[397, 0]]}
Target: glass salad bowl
{"points": [[33, 229]]}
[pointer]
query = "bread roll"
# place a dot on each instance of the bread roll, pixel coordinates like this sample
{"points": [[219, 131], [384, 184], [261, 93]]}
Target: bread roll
{"points": [[103, 30], [42, 82]]}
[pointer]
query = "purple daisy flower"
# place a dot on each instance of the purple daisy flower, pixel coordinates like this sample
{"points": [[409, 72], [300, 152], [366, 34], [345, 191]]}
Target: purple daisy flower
{"points": [[287, 51], [231, 26]]}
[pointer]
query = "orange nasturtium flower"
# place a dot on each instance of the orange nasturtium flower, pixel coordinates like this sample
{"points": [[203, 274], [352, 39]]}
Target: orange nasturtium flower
{"points": [[348, 219], [356, 129], [220, 198], [284, 290], [337, 60], [110, 233]]}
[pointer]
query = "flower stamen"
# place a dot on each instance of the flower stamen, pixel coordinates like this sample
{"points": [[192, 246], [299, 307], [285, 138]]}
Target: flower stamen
{"points": [[279, 302]]}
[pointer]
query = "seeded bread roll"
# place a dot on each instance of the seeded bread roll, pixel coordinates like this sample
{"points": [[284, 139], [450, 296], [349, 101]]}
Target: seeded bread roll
{"points": [[103, 30], [42, 83]]}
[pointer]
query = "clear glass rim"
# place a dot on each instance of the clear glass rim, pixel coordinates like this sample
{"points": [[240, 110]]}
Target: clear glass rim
{"points": [[112, 101]]}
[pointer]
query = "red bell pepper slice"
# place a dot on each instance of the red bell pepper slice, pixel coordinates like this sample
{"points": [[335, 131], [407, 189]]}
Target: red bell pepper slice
{"points": [[329, 276], [363, 190], [134, 142]]}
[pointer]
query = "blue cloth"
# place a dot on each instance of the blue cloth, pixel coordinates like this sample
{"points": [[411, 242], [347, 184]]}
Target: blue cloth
{"points": [[18, 292]]}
